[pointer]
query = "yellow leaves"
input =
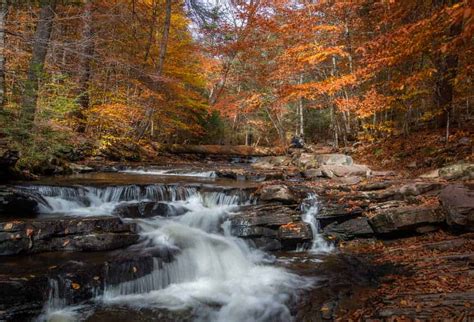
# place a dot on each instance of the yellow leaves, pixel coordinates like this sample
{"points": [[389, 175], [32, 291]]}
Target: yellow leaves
{"points": [[75, 286], [8, 226]]}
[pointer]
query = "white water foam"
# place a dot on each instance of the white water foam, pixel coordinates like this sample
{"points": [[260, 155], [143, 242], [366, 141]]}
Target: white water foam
{"points": [[310, 209], [216, 275]]}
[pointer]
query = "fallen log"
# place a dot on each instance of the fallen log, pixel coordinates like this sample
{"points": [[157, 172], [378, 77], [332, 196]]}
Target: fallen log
{"points": [[228, 150]]}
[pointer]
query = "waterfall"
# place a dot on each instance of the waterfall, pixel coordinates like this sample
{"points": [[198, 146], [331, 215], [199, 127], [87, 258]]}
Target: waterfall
{"points": [[213, 272], [310, 209]]}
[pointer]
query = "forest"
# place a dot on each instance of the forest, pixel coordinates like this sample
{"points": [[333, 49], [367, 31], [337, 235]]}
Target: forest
{"points": [[88, 74], [236, 160]]}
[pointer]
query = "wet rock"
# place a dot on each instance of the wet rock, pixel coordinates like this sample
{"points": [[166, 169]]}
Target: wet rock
{"points": [[26, 282], [146, 209], [59, 234], [18, 201], [458, 202], [270, 216], [279, 193], [350, 229], [334, 159], [293, 234], [267, 244], [406, 218]]}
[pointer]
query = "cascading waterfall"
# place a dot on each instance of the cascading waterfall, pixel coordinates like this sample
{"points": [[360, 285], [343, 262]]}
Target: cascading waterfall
{"points": [[218, 274], [310, 209], [215, 275]]}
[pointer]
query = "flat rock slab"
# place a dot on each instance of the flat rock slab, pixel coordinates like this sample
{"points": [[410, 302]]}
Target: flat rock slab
{"points": [[352, 228], [65, 234], [386, 221]]}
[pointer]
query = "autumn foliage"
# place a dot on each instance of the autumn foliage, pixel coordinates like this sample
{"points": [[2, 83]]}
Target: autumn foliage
{"points": [[239, 72]]}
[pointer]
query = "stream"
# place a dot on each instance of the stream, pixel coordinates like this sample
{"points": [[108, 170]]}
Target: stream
{"points": [[212, 275]]}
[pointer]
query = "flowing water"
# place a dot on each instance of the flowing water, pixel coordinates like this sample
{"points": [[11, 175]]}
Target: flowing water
{"points": [[215, 276]]}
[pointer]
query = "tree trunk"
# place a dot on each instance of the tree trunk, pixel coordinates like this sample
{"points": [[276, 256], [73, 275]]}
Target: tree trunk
{"points": [[3, 23], [87, 53], [159, 70], [35, 70], [447, 71]]}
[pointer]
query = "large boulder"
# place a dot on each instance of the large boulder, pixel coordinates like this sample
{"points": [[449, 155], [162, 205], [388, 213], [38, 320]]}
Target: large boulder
{"points": [[352, 228], [334, 159], [458, 202], [407, 218], [65, 234], [277, 192]]}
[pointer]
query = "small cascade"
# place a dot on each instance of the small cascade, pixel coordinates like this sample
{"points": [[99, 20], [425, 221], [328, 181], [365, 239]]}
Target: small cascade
{"points": [[96, 201], [310, 209], [56, 308]]}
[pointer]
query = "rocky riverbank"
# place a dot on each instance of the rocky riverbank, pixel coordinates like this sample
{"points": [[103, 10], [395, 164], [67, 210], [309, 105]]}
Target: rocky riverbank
{"points": [[392, 231]]}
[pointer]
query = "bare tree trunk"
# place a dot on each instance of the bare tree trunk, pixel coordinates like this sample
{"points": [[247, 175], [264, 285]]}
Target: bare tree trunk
{"points": [[301, 112], [40, 49], [159, 70], [87, 53], [3, 23]]}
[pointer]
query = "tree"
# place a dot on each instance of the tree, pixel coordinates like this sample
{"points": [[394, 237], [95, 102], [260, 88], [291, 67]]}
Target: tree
{"points": [[86, 57], [37, 61], [3, 19]]}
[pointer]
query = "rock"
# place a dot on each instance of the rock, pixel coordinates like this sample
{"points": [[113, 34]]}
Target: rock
{"points": [[313, 173], [345, 170], [352, 228], [26, 282], [412, 165], [431, 175], [307, 161], [70, 234], [457, 171], [78, 168], [279, 193], [266, 244], [292, 234], [334, 159], [349, 181], [146, 209], [14, 201], [270, 215], [418, 188], [8, 161], [376, 186], [458, 202], [405, 218], [383, 173]]}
